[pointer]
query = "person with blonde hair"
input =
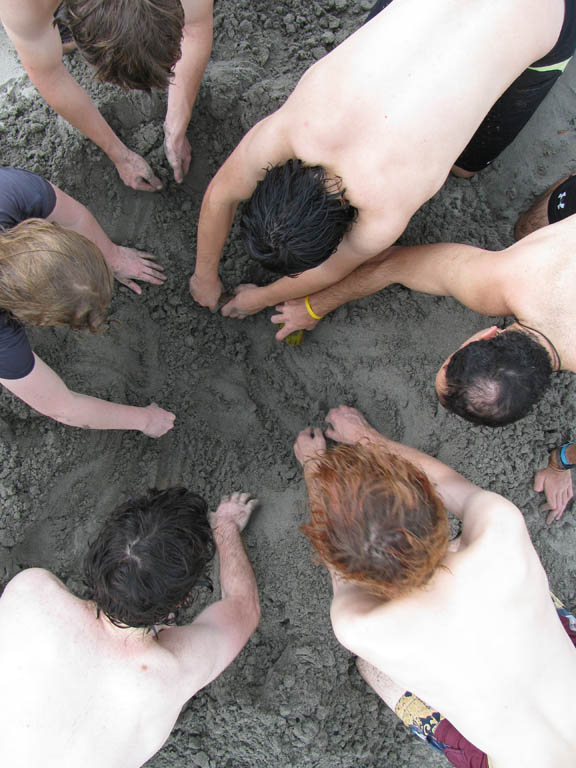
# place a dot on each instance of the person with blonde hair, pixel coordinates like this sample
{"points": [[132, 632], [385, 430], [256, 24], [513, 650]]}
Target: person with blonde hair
{"points": [[460, 639], [54, 275]]}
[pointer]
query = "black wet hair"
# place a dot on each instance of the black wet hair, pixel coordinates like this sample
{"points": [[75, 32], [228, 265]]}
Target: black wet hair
{"points": [[496, 381], [296, 218], [146, 559]]}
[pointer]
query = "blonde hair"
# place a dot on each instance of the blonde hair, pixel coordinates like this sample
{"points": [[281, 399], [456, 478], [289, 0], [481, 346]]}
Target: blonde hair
{"points": [[50, 275]]}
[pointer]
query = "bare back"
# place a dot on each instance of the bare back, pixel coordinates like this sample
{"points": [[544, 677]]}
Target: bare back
{"points": [[540, 273], [392, 107], [101, 702], [483, 644]]}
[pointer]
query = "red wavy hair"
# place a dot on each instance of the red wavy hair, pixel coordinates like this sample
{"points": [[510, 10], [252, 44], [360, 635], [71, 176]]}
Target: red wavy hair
{"points": [[375, 519]]}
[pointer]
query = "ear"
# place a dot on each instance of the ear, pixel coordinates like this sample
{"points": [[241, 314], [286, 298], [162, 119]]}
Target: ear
{"points": [[488, 333]]}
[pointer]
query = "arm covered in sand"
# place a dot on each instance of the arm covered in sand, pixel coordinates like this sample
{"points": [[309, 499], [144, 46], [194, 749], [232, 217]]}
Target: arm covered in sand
{"points": [[127, 264], [39, 46], [211, 643], [188, 72], [444, 269], [43, 390]]}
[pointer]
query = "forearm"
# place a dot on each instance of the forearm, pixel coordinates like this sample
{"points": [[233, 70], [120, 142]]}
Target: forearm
{"points": [[213, 228], [68, 99], [369, 278], [237, 579], [188, 73], [453, 487], [92, 413], [73, 215]]}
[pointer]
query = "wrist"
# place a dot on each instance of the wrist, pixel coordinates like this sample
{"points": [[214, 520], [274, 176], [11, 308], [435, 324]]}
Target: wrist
{"points": [[310, 310], [116, 150], [559, 458]]}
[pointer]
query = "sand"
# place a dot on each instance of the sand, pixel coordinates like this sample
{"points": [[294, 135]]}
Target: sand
{"points": [[293, 698]]}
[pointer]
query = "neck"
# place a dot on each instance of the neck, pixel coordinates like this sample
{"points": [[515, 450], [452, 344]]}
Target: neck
{"points": [[542, 339]]}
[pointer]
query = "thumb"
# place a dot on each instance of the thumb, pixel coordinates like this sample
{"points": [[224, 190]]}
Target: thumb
{"points": [[539, 482], [283, 333]]}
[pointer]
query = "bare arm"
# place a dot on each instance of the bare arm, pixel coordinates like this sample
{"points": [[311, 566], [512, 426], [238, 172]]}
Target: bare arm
{"points": [[444, 269], [188, 73], [207, 646], [347, 425], [126, 263], [43, 390], [40, 49], [263, 145]]}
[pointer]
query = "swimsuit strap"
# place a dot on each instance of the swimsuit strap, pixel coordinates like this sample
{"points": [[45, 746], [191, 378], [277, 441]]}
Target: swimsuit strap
{"points": [[556, 358]]}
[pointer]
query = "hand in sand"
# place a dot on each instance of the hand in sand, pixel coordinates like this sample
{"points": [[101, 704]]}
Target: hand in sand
{"points": [[245, 302], [128, 263], [159, 421], [206, 293], [235, 509], [309, 444], [136, 173], [295, 317], [347, 425], [178, 154], [557, 485]]}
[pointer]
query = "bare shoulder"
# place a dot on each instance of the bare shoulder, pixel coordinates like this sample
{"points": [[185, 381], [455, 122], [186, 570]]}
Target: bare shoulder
{"points": [[32, 580], [488, 512], [197, 11], [26, 17]]}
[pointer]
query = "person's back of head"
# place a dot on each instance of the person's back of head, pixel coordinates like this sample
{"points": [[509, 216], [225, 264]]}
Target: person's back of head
{"points": [[376, 519], [295, 218], [496, 381], [148, 556], [131, 43], [50, 275]]}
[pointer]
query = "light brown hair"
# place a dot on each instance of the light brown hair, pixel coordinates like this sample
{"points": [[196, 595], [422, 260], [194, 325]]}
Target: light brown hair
{"points": [[50, 275], [131, 43], [375, 519]]}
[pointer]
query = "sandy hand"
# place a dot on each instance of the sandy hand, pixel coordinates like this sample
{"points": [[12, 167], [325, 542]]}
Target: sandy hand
{"points": [[128, 265], [136, 173], [347, 425], [557, 485], [178, 154], [206, 293], [295, 317], [235, 509], [245, 302], [159, 421], [309, 444]]}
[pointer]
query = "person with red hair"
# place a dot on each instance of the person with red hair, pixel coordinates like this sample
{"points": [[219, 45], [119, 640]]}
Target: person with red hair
{"points": [[413, 605]]}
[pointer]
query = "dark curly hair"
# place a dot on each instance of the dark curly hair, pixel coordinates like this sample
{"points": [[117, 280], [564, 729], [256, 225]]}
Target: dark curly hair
{"points": [[131, 43], [148, 556], [496, 381], [296, 218]]}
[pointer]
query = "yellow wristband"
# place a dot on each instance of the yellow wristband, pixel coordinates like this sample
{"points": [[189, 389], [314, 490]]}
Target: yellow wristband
{"points": [[311, 311]]}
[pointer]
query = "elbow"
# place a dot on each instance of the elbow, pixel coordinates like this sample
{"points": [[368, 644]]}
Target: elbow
{"points": [[252, 614]]}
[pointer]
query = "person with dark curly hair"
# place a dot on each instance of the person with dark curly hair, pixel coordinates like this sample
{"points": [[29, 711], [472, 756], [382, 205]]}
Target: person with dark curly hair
{"points": [[136, 44], [461, 639], [101, 682], [371, 132]]}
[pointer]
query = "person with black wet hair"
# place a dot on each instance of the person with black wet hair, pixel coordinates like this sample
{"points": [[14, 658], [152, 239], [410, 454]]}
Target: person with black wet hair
{"points": [[370, 133], [102, 681]]}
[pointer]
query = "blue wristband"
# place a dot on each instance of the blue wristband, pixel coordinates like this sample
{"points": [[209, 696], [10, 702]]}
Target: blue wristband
{"points": [[562, 456]]}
